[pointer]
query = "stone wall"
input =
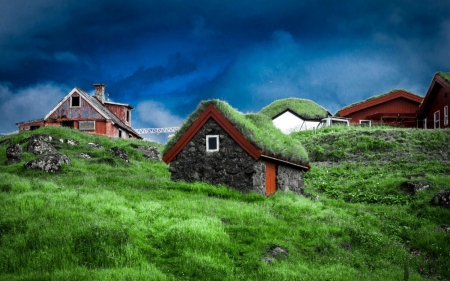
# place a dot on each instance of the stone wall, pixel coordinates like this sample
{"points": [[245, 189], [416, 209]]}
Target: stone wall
{"points": [[289, 178], [231, 165]]}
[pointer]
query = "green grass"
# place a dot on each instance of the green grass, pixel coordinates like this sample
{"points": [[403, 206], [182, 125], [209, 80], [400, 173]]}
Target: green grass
{"points": [[303, 107], [112, 220], [445, 75], [257, 129]]}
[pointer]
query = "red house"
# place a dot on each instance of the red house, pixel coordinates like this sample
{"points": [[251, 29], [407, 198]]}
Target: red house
{"points": [[395, 108], [91, 114], [433, 112]]}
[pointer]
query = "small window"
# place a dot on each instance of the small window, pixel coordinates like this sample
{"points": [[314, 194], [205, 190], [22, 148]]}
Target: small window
{"points": [[436, 120], [128, 116], [425, 123], [212, 143], [365, 123], [446, 115], [74, 101], [120, 133]]}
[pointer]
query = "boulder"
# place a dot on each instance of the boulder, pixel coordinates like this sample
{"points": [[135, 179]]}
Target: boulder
{"points": [[442, 199], [38, 137], [83, 155], [39, 147], [150, 152], [94, 145], [445, 228], [72, 142], [275, 252], [48, 163], [119, 152], [13, 153], [412, 187]]}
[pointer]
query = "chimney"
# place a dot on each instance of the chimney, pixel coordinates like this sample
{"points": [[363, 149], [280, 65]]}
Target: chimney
{"points": [[99, 91]]}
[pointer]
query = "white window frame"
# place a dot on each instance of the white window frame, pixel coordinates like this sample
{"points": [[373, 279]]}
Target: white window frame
{"points": [[79, 101], [370, 122], [425, 123], [437, 120], [446, 115], [207, 143]]}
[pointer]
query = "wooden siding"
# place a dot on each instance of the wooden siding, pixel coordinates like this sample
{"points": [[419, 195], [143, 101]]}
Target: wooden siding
{"points": [[84, 112], [120, 111], [271, 178], [437, 98]]}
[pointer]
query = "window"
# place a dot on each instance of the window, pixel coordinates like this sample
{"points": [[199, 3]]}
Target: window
{"points": [[120, 133], [74, 101], [436, 120], [446, 115], [425, 123], [212, 143], [128, 116], [365, 123]]}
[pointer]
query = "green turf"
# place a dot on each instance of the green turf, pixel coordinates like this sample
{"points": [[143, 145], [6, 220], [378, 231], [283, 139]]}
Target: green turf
{"points": [[303, 107]]}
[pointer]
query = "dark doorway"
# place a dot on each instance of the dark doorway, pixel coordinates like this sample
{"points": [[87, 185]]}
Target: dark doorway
{"points": [[67, 124]]}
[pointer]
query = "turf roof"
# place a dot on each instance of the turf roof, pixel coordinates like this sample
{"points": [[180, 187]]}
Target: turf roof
{"points": [[303, 107], [375, 97], [256, 128], [446, 76]]}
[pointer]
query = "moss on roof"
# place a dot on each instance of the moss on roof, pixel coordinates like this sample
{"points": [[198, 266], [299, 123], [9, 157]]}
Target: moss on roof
{"points": [[256, 128], [446, 76], [303, 107], [375, 97]]}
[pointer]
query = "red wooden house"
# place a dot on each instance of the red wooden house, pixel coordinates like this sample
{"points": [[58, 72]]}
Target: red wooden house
{"points": [[433, 112], [396, 108], [91, 114]]}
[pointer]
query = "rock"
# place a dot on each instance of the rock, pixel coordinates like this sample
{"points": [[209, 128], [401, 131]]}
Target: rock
{"points": [[95, 145], [445, 228], [13, 153], [442, 199], [61, 140], [150, 152], [83, 155], [72, 142], [39, 147], [412, 187], [48, 163], [38, 137], [120, 152], [276, 252]]}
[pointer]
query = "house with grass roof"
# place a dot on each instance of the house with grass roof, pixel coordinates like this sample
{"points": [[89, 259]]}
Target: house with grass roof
{"points": [[295, 114], [219, 145], [433, 111], [395, 108], [90, 114]]}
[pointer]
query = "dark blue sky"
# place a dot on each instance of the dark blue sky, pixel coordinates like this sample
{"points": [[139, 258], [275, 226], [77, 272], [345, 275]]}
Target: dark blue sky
{"points": [[163, 57]]}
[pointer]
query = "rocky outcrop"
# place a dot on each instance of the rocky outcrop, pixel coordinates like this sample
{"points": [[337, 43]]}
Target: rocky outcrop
{"points": [[149, 152], [49, 163], [71, 142], [83, 155], [13, 153], [120, 152], [442, 199], [412, 187], [276, 252], [37, 146], [95, 145], [37, 137]]}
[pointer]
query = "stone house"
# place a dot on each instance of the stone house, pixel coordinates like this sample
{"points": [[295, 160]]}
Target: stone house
{"points": [[433, 112], [219, 145], [91, 114]]}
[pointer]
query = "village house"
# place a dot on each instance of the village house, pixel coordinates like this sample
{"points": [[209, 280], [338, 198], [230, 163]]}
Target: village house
{"points": [[294, 114], [90, 114], [395, 108], [219, 145], [433, 112]]}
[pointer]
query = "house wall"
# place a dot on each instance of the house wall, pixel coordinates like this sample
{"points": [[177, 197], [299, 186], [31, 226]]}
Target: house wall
{"points": [[289, 178], [437, 101], [231, 165], [399, 105], [30, 125], [120, 111], [84, 112]]}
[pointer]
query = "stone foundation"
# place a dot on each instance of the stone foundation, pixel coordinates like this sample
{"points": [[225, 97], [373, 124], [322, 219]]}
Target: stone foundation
{"points": [[289, 178]]}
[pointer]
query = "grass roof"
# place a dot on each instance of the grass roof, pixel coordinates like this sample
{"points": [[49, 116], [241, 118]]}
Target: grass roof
{"points": [[375, 97], [446, 76], [256, 128], [303, 107]]}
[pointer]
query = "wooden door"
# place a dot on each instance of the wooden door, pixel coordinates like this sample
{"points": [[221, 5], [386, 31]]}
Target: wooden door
{"points": [[271, 178]]}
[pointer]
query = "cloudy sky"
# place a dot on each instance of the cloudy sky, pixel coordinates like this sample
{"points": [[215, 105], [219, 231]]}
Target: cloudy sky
{"points": [[164, 57]]}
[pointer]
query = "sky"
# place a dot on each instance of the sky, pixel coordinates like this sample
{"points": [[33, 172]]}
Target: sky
{"points": [[164, 57]]}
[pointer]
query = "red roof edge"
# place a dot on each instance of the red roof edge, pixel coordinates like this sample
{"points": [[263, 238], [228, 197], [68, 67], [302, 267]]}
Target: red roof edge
{"points": [[435, 79], [211, 112], [384, 98]]}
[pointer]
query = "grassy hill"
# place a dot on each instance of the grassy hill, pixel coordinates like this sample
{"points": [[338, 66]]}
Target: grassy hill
{"points": [[105, 219]]}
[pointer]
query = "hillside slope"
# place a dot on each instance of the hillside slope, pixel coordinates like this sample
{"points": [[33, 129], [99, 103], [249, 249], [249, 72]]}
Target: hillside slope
{"points": [[105, 219]]}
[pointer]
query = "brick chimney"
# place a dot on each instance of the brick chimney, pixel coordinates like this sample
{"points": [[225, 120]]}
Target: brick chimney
{"points": [[99, 91]]}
